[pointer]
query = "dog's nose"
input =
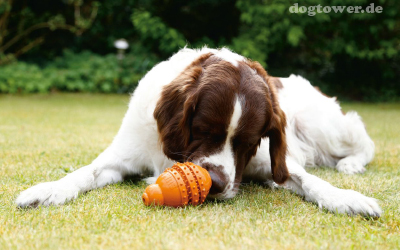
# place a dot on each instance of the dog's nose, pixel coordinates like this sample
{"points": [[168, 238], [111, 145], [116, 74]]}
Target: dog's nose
{"points": [[219, 179], [218, 185]]}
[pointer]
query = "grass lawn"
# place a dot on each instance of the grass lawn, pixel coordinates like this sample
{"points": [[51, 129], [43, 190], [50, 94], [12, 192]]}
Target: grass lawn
{"points": [[44, 137]]}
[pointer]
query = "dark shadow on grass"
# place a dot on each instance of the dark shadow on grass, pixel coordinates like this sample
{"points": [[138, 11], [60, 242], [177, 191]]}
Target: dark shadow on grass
{"points": [[136, 179], [249, 182], [245, 188]]}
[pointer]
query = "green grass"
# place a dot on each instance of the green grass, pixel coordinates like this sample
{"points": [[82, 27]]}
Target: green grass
{"points": [[44, 137]]}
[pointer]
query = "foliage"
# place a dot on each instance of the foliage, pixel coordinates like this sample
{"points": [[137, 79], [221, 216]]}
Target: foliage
{"points": [[23, 77], [84, 72], [356, 56], [154, 31], [13, 42]]}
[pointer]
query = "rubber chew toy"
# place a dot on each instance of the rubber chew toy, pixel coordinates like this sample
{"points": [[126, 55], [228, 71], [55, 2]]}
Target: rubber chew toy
{"points": [[180, 185]]}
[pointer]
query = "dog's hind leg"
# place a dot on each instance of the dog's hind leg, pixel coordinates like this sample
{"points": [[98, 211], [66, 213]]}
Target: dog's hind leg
{"points": [[324, 135], [327, 196], [360, 145], [342, 141]]}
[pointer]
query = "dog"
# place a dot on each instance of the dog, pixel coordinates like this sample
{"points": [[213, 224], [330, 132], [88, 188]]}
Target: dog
{"points": [[224, 112]]}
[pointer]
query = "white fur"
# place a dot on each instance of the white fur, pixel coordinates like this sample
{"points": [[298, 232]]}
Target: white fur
{"points": [[228, 56], [317, 134], [226, 157]]}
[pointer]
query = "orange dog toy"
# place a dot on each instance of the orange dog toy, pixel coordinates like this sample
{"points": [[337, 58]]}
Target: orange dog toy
{"points": [[180, 185]]}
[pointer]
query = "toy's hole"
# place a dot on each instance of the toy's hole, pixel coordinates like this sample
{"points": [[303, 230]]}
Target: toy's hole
{"points": [[145, 199]]}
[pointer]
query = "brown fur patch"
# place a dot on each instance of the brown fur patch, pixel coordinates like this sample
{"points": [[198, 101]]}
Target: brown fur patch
{"points": [[276, 130], [174, 107]]}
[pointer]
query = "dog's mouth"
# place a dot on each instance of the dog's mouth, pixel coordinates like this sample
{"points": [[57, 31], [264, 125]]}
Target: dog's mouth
{"points": [[229, 192], [223, 186]]}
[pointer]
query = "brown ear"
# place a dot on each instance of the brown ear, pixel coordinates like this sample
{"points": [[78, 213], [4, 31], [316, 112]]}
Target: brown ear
{"points": [[175, 108], [277, 138], [185, 124], [278, 148], [276, 129]]}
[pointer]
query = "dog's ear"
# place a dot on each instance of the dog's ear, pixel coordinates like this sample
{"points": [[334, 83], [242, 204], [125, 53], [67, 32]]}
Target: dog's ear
{"points": [[278, 147], [175, 108], [277, 138], [275, 129], [189, 107]]}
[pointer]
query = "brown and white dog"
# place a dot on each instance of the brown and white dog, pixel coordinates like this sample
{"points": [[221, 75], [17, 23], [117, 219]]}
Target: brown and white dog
{"points": [[225, 113]]}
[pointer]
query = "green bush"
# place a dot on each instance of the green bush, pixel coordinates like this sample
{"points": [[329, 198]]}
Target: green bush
{"points": [[155, 33], [83, 72], [23, 77], [355, 56]]}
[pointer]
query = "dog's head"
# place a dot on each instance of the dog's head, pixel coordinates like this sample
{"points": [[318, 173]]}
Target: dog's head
{"points": [[215, 114]]}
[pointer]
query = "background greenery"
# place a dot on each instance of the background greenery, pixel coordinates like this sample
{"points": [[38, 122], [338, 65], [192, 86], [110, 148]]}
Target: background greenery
{"points": [[355, 56]]}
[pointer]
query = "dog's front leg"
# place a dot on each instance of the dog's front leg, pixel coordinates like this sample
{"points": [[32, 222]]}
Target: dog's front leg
{"points": [[327, 196], [106, 169]]}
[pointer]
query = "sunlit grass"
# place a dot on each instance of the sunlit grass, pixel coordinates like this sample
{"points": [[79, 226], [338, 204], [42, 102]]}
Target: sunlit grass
{"points": [[44, 137]]}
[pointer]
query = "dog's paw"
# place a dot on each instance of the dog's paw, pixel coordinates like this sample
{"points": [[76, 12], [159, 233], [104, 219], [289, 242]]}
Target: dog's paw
{"points": [[342, 201], [272, 185], [46, 194], [350, 165], [352, 203], [150, 180]]}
